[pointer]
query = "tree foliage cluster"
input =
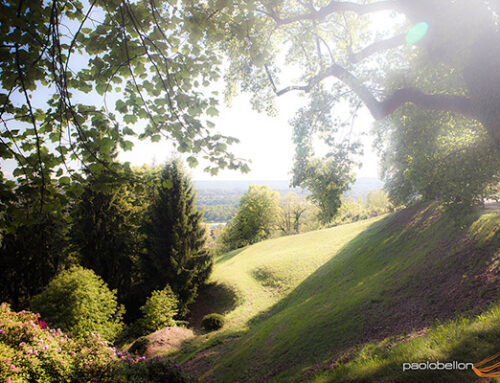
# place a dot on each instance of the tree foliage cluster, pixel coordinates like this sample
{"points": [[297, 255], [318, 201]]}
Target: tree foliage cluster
{"points": [[79, 302], [139, 238], [161, 59], [175, 238], [355, 209], [255, 219], [262, 214], [438, 156]]}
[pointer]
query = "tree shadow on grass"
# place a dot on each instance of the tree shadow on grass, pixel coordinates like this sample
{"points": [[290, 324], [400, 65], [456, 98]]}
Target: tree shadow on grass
{"points": [[474, 345], [399, 275], [212, 298]]}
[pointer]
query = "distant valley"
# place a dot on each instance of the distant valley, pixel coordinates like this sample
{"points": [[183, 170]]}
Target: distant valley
{"points": [[220, 198]]}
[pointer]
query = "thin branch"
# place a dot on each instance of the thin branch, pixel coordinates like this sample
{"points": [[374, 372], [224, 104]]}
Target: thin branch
{"points": [[77, 33], [33, 121], [271, 80]]}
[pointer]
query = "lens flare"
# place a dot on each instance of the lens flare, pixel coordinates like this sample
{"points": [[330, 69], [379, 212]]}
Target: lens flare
{"points": [[417, 32]]}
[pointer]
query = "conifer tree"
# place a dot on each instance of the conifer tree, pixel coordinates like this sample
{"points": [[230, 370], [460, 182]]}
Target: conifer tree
{"points": [[176, 251], [105, 234]]}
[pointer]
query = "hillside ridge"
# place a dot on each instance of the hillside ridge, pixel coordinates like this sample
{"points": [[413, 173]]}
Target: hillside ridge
{"points": [[391, 276]]}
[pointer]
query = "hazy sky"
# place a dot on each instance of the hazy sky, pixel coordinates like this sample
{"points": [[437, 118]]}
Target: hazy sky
{"points": [[266, 141]]}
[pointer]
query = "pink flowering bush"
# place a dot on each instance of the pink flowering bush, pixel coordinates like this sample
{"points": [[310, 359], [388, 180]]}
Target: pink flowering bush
{"points": [[31, 352]]}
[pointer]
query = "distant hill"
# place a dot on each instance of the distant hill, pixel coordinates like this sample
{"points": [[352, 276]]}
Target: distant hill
{"points": [[362, 185], [239, 185], [220, 199]]}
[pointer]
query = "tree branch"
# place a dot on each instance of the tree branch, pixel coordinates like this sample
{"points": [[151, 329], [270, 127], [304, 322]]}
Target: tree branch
{"points": [[377, 46], [336, 6], [381, 109]]}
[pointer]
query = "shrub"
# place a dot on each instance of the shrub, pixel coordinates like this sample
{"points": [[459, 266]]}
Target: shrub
{"points": [[212, 322], [159, 310], [139, 346], [78, 301], [31, 352]]}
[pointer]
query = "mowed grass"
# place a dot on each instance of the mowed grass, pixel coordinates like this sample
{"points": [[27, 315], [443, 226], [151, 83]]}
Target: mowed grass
{"points": [[262, 274], [312, 306]]}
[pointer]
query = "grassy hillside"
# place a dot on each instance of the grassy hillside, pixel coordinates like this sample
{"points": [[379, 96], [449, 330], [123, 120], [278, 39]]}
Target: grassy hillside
{"points": [[318, 306]]}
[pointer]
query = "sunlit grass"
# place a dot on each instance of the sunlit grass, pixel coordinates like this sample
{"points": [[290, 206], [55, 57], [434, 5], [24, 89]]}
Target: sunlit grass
{"points": [[306, 302], [264, 273]]}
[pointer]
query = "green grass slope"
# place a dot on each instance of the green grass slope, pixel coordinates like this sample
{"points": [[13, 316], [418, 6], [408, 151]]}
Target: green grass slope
{"points": [[316, 306]]}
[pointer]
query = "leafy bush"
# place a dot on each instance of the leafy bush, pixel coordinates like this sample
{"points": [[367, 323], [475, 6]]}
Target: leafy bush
{"points": [[159, 310], [212, 322], [31, 352], [139, 346], [78, 301]]}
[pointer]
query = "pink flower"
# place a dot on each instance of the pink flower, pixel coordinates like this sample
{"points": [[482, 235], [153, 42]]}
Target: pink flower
{"points": [[22, 344], [9, 380], [13, 368]]}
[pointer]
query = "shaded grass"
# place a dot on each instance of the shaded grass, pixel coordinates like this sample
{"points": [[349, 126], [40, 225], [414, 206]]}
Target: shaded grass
{"points": [[212, 298], [460, 339]]}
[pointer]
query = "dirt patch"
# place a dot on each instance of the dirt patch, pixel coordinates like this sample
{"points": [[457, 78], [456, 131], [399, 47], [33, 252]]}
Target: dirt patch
{"points": [[167, 339]]}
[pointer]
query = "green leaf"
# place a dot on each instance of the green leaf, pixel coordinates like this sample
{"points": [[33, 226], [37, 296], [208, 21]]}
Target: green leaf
{"points": [[212, 111], [130, 119], [192, 161], [64, 180], [167, 184]]}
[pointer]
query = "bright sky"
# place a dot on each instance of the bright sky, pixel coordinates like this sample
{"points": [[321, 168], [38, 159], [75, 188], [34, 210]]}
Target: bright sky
{"points": [[266, 141]]}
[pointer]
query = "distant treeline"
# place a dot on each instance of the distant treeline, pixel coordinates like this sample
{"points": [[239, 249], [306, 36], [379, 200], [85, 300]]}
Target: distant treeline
{"points": [[219, 212]]}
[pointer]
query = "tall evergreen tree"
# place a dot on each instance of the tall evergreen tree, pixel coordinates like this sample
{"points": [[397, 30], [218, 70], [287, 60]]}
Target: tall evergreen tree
{"points": [[176, 251], [106, 235]]}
